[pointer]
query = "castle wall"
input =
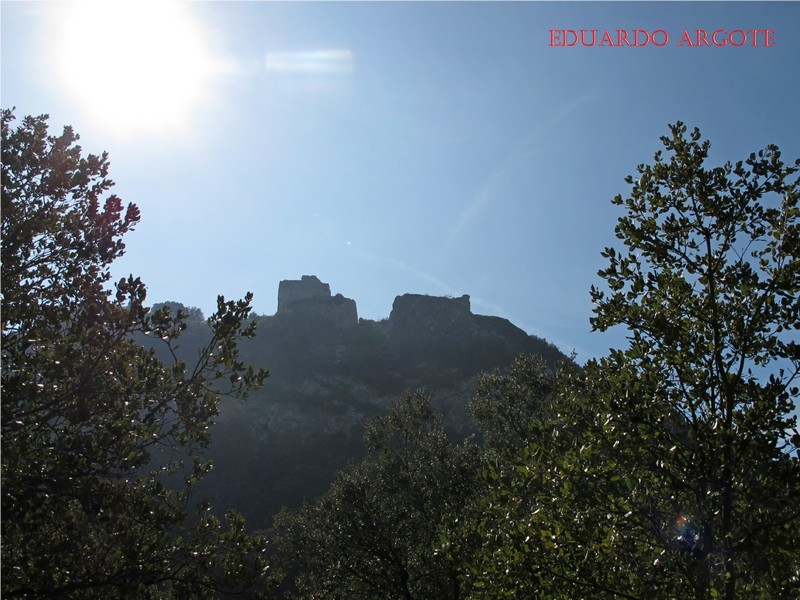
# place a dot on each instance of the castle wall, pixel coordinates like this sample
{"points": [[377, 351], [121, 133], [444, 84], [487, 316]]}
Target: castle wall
{"points": [[292, 290], [409, 307], [309, 296]]}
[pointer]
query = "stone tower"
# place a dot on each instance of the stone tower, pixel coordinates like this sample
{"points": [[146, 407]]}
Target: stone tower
{"points": [[292, 290], [309, 297]]}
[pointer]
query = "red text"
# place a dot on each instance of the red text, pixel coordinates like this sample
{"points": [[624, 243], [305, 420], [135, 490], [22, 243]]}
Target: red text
{"points": [[723, 37], [620, 37]]}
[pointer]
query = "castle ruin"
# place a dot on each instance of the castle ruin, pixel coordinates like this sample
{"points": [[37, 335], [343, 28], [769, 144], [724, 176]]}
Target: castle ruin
{"points": [[310, 297]]}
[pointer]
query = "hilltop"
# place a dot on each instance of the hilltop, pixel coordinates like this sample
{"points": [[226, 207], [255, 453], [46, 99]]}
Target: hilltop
{"points": [[329, 371]]}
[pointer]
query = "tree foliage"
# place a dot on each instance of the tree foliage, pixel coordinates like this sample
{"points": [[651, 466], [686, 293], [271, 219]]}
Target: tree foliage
{"points": [[372, 534], [506, 405], [100, 437], [670, 468], [391, 526]]}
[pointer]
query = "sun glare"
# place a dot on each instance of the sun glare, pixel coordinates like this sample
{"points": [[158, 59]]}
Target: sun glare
{"points": [[135, 68]]}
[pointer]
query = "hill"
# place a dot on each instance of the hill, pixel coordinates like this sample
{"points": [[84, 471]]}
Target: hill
{"points": [[329, 371]]}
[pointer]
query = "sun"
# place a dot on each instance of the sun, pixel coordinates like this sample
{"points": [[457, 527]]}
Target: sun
{"points": [[136, 69]]}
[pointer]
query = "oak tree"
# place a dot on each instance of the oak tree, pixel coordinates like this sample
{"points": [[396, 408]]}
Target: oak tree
{"points": [[670, 467], [100, 438]]}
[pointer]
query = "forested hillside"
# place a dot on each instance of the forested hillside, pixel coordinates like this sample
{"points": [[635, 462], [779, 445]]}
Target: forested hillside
{"points": [[329, 371]]}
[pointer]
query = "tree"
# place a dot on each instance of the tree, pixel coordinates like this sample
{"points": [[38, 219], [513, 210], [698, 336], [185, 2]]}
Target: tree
{"points": [[390, 527], [671, 468], [99, 437], [507, 404], [372, 534]]}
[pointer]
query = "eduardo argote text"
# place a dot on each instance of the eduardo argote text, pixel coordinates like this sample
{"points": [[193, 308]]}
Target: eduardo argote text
{"points": [[661, 37]]}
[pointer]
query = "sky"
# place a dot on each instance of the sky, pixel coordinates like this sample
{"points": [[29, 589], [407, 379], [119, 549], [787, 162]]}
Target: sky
{"points": [[389, 148]]}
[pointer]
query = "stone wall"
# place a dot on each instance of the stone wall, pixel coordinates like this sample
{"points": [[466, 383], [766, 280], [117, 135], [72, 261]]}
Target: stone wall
{"points": [[413, 312], [339, 311], [309, 297], [412, 305], [308, 286]]}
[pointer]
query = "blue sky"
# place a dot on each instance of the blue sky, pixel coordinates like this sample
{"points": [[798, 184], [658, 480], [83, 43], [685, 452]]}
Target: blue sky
{"points": [[435, 148]]}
